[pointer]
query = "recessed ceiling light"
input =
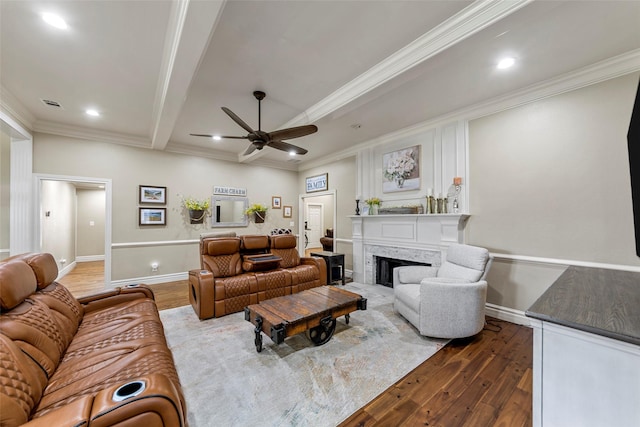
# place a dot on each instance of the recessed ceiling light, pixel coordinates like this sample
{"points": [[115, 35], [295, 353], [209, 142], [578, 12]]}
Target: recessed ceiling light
{"points": [[93, 113], [505, 63], [54, 21], [217, 137]]}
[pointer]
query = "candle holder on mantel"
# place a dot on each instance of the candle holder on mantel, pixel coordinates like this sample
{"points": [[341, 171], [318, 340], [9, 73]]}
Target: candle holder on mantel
{"points": [[357, 206], [454, 193]]}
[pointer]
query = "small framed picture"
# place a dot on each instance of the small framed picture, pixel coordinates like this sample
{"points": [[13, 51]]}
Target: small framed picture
{"points": [[153, 195], [276, 202], [152, 216], [287, 211]]}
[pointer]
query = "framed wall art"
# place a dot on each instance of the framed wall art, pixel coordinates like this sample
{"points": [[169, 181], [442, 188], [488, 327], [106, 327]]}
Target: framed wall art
{"points": [[153, 195], [401, 170], [152, 216], [276, 202], [287, 211], [317, 183]]}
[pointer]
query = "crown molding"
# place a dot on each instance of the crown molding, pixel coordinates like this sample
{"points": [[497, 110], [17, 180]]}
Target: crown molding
{"points": [[460, 26], [90, 134], [608, 69], [15, 109]]}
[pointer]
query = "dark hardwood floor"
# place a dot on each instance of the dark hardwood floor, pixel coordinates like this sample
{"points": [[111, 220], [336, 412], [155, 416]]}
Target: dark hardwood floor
{"points": [[482, 381]]}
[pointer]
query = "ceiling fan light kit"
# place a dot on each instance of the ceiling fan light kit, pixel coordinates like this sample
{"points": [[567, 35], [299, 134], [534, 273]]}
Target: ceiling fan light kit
{"points": [[259, 139]]}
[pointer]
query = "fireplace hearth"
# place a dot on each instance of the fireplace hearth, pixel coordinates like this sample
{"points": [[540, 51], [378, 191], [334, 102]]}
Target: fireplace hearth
{"points": [[385, 266]]}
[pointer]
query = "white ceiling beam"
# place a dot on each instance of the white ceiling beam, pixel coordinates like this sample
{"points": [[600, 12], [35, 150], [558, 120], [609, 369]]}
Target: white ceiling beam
{"points": [[188, 33]]}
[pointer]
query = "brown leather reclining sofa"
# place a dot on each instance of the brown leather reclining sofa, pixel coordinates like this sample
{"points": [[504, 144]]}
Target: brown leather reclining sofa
{"points": [[239, 271], [96, 361]]}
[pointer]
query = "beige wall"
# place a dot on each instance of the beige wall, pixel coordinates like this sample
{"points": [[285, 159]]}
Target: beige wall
{"points": [[90, 222], [129, 167], [551, 179], [58, 221], [342, 179]]}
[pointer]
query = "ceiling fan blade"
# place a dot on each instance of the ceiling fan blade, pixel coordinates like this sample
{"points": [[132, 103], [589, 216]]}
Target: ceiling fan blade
{"points": [[249, 150], [221, 136], [234, 137], [285, 146], [237, 119], [295, 132]]}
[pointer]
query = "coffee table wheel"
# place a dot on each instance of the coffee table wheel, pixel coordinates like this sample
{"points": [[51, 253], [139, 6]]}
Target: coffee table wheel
{"points": [[322, 333]]}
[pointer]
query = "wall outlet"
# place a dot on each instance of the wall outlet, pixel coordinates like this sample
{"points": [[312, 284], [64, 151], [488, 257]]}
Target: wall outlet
{"points": [[292, 223], [154, 266]]}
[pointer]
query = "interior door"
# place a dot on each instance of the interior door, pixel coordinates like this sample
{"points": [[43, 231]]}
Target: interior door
{"points": [[315, 224]]}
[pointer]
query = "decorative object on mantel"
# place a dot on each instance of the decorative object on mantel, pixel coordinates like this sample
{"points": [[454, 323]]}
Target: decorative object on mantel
{"points": [[198, 209], [431, 202], [454, 193], [357, 205], [374, 204], [401, 170], [258, 212], [399, 210]]}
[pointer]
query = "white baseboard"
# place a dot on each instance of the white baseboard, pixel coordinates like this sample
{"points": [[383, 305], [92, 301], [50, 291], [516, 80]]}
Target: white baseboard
{"points": [[152, 280], [89, 258], [66, 270], [507, 314]]}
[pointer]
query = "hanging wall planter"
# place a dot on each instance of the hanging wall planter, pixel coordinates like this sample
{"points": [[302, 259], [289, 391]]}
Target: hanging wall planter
{"points": [[196, 216], [198, 209], [258, 212]]}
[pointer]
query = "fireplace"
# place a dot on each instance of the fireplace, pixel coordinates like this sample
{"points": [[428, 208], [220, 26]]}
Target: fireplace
{"points": [[385, 266]]}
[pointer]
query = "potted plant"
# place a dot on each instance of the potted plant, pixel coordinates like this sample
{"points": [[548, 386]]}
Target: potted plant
{"points": [[374, 204], [198, 209], [258, 211]]}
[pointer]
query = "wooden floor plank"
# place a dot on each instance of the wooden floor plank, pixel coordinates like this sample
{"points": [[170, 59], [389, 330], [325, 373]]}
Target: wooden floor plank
{"points": [[482, 381]]}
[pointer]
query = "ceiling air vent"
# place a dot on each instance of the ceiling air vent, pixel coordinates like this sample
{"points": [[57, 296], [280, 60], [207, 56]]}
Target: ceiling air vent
{"points": [[51, 103]]}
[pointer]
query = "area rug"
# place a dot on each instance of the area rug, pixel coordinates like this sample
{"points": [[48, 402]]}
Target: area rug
{"points": [[226, 382]]}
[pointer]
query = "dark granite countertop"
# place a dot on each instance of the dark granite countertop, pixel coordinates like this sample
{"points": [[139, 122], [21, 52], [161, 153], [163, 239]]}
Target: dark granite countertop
{"points": [[596, 300]]}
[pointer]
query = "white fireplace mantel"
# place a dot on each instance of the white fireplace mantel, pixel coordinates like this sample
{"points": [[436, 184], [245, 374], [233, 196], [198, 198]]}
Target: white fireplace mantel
{"points": [[419, 237]]}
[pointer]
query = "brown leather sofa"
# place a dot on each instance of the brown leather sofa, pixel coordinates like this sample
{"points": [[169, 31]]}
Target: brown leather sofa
{"points": [[101, 360], [327, 240], [239, 271]]}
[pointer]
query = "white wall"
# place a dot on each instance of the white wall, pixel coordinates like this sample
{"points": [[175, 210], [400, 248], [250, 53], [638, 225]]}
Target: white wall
{"points": [[5, 184]]}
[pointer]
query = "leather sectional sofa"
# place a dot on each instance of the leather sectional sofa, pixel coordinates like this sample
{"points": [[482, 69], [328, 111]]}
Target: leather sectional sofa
{"points": [[239, 271], [96, 361]]}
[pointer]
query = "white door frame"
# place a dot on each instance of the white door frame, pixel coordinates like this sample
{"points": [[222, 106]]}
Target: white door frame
{"points": [[301, 200], [37, 244]]}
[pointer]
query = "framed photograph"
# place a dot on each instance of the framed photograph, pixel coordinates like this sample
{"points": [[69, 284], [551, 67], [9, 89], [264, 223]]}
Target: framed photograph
{"points": [[287, 211], [152, 216], [153, 195], [317, 183], [401, 170], [276, 202]]}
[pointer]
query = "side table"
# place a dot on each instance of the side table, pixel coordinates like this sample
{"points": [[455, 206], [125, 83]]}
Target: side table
{"points": [[335, 265]]}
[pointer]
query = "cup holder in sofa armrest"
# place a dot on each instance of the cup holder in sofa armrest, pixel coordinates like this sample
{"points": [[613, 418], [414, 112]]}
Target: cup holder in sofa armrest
{"points": [[132, 285], [129, 390]]}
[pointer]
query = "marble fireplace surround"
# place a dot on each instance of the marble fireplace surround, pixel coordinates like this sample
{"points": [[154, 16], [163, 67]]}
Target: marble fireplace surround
{"points": [[420, 238]]}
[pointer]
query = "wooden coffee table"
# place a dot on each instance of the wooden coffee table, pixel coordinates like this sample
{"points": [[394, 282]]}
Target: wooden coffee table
{"points": [[313, 311]]}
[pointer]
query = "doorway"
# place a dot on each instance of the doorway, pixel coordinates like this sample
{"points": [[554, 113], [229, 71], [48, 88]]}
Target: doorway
{"points": [[317, 213], [74, 220]]}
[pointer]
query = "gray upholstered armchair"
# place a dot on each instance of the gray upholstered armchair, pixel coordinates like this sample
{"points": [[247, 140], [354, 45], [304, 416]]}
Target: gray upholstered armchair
{"points": [[445, 302]]}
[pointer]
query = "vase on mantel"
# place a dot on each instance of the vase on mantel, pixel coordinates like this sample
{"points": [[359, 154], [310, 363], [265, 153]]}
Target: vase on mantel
{"points": [[373, 210]]}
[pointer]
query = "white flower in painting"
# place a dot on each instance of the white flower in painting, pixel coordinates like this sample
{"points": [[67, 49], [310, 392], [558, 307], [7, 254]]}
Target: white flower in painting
{"points": [[400, 165]]}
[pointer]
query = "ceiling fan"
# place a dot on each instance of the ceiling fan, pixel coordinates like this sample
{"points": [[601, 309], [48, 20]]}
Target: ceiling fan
{"points": [[259, 139]]}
